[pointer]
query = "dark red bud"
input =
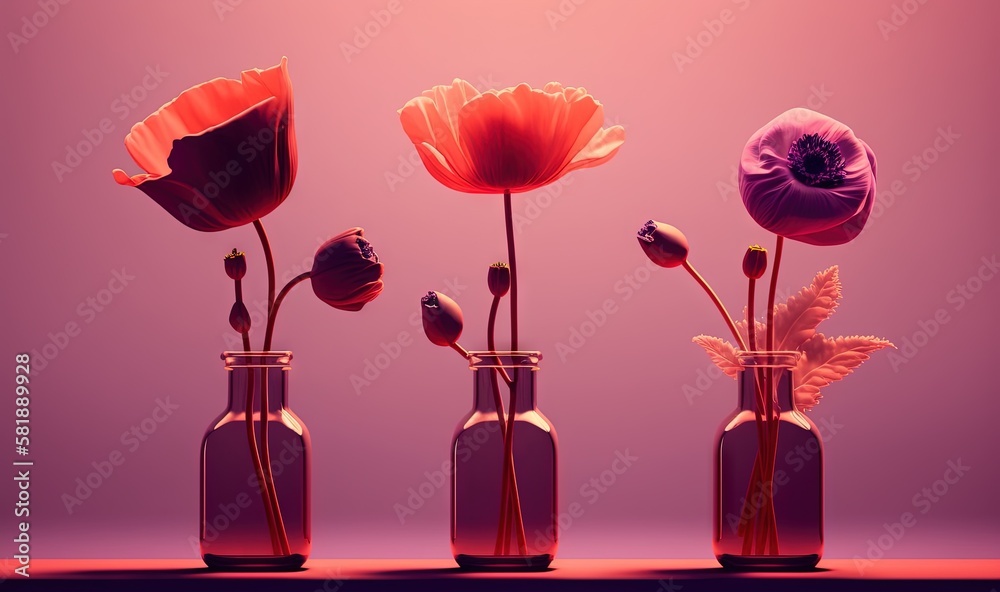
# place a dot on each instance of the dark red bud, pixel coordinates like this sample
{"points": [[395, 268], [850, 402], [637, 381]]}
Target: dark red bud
{"points": [[665, 245], [498, 279], [236, 265], [239, 318], [346, 272], [442, 319], [755, 262]]}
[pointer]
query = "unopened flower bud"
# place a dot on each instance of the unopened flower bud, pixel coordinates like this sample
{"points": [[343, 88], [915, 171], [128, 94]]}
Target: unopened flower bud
{"points": [[346, 272], [665, 245], [499, 279], [755, 262], [236, 265], [239, 318], [442, 319]]}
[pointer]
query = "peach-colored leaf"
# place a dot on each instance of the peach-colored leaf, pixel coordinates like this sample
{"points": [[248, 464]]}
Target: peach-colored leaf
{"points": [[825, 360], [741, 326], [722, 354], [796, 320]]}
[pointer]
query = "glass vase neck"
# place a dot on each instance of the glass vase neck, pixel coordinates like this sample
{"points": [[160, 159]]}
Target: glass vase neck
{"points": [[254, 374], [764, 367], [493, 368]]}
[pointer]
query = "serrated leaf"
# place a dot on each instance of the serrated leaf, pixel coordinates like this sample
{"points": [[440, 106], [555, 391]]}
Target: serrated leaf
{"points": [[795, 321], [722, 353], [760, 335], [825, 360]]}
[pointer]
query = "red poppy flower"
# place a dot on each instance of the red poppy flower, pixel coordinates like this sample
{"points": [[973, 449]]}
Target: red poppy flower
{"points": [[807, 177], [220, 155], [516, 139], [346, 272]]}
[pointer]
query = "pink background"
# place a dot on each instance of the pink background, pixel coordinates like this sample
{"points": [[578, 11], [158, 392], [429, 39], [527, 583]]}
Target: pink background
{"points": [[624, 389]]}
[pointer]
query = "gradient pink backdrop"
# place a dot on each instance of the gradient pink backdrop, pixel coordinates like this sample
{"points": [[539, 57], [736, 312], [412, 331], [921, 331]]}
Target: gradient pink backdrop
{"points": [[624, 389]]}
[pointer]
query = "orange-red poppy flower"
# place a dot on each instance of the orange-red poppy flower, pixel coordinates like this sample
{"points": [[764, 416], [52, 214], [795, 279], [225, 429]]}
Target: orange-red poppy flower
{"points": [[220, 155], [516, 139]]}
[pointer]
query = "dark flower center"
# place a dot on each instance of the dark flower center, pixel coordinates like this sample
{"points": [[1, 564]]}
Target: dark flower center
{"points": [[430, 300], [816, 162], [646, 232], [367, 251]]}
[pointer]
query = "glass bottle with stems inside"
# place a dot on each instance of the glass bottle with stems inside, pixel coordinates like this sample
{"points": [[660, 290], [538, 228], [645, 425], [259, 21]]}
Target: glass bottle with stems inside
{"points": [[504, 498], [256, 514], [768, 474]]}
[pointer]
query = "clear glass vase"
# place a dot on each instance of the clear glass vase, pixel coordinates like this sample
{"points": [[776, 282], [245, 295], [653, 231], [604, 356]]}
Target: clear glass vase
{"points": [[768, 510], [499, 522], [244, 524]]}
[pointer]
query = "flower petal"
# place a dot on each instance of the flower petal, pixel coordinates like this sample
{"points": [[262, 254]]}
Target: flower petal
{"points": [[433, 118], [781, 203]]}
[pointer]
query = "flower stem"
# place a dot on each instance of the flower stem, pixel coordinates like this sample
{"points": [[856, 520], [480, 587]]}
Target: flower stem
{"points": [[515, 498], [269, 333], [461, 350], [264, 444], [772, 388], [269, 260], [491, 345], [265, 492], [262, 486], [718, 304], [509, 224]]}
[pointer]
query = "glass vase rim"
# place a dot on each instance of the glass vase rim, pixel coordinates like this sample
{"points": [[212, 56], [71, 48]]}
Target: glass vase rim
{"points": [[256, 359], [768, 358], [504, 359]]}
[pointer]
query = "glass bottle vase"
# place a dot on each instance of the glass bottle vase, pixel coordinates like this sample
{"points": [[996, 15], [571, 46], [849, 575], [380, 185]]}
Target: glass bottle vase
{"points": [[244, 524], [768, 477], [504, 491]]}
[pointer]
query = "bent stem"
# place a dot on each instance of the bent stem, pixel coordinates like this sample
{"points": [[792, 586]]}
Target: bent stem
{"points": [[269, 260], [718, 303], [273, 313]]}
